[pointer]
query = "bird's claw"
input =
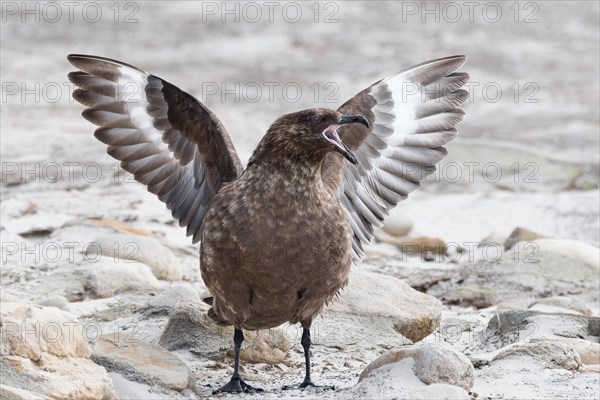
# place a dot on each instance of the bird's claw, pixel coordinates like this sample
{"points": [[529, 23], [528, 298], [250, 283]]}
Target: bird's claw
{"points": [[237, 385], [307, 384]]}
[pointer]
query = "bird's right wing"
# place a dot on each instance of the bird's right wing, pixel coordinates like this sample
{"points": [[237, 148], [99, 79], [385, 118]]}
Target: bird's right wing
{"points": [[411, 116], [166, 138]]}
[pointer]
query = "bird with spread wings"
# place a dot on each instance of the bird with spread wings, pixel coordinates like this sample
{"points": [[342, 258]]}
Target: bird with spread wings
{"points": [[352, 165]]}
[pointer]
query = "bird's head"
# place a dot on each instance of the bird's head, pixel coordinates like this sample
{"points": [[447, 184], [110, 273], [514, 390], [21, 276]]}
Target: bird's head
{"points": [[313, 132]]}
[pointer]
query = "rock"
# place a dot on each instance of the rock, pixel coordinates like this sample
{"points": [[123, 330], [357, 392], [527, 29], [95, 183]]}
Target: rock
{"points": [[109, 276], [397, 224], [588, 351], [142, 361], [127, 389], [11, 378], [560, 304], [520, 275], [528, 267], [395, 304], [493, 239], [8, 298], [434, 363], [506, 323], [519, 235], [44, 351], [66, 281], [438, 363], [115, 311], [65, 378], [31, 330], [425, 245], [549, 354], [13, 393], [169, 300], [414, 246], [508, 327], [398, 380], [97, 277], [593, 368], [542, 369], [144, 249], [190, 328], [266, 346], [478, 296], [579, 251], [57, 301], [511, 327]]}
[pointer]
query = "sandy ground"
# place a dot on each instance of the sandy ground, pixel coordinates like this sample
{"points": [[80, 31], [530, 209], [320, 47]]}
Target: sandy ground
{"points": [[534, 106]]}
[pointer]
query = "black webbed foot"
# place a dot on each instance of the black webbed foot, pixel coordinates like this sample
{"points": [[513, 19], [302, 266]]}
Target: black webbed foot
{"points": [[237, 385], [307, 381], [307, 384]]}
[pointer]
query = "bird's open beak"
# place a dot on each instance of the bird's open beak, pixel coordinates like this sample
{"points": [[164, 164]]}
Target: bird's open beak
{"points": [[332, 136]]}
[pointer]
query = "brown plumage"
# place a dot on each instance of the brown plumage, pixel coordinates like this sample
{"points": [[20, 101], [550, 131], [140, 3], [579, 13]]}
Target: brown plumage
{"points": [[278, 238], [276, 244]]}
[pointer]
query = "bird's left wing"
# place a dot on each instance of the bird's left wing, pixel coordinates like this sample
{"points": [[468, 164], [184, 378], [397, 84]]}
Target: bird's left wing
{"points": [[166, 138], [411, 116]]}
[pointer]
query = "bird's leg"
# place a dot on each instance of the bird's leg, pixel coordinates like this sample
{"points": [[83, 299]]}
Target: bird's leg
{"points": [[237, 384], [305, 341]]}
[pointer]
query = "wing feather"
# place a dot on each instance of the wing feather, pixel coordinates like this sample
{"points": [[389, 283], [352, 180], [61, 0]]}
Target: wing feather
{"points": [[411, 114], [165, 137]]}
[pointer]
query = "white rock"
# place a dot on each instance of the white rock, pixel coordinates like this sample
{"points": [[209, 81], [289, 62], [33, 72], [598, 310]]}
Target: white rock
{"points": [[108, 276], [478, 296], [433, 363], [534, 266], [65, 378], [580, 251], [144, 249], [171, 299], [67, 281], [512, 326], [535, 370], [142, 361], [45, 347], [560, 304], [399, 381], [411, 313], [8, 298], [30, 330], [588, 351], [98, 277], [190, 328], [55, 301], [521, 235], [549, 354], [439, 363], [397, 224], [126, 389], [13, 393], [266, 346]]}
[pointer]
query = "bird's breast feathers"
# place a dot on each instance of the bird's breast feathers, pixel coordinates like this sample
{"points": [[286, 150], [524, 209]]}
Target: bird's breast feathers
{"points": [[274, 222]]}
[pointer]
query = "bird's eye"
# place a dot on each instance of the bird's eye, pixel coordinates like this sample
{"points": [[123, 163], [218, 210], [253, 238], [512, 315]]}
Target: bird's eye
{"points": [[316, 119]]}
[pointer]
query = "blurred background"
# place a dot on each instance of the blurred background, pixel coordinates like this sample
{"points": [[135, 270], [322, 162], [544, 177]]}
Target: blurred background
{"points": [[527, 155]]}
